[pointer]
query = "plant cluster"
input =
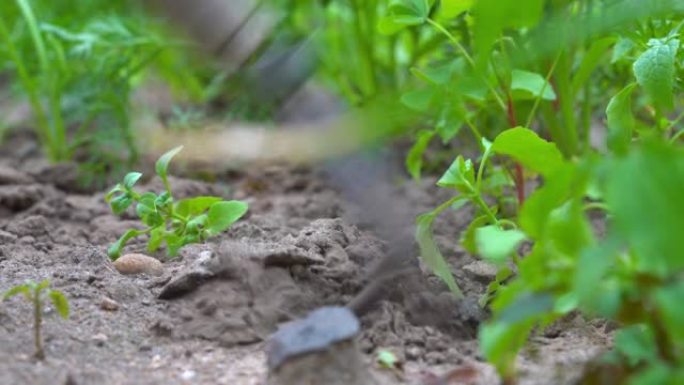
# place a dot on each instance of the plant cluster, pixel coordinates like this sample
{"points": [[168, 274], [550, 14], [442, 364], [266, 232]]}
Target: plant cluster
{"points": [[36, 293], [174, 222], [529, 79]]}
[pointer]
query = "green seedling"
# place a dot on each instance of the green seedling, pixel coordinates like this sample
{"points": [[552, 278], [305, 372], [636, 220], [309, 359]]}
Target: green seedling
{"points": [[175, 222], [36, 293]]}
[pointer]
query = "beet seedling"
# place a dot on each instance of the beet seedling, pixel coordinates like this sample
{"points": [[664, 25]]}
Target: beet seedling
{"points": [[35, 293], [178, 223]]}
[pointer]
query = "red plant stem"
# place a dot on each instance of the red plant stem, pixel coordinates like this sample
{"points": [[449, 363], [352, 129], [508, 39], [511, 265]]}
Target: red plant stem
{"points": [[519, 177]]}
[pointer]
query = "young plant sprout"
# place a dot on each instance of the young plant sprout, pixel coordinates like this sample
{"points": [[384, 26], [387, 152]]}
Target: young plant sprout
{"points": [[178, 223], [36, 293]]}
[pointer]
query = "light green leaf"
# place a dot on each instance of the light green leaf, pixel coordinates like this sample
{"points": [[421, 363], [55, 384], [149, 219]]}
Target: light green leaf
{"points": [[61, 304], [194, 206], [533, 152], [621, 122], [223, 214], [387, 359], [530, 85], [19, 289], [621, 49], [590, 60], [468, 240], [431, 255], [655, 71], [402, 14], [459, 176], [669, 302], [114, 250], [500, 343], [162, 165], [131, 179], [496, 244], [452, 8], [414, 159]]}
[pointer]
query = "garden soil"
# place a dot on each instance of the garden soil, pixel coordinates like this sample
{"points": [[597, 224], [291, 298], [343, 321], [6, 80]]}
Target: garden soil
{"points": [[297, 249]]}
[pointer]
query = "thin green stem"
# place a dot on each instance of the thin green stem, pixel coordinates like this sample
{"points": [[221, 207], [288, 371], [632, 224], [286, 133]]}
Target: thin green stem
{"points": [[469, 59], [537, 100], [672, 125]]}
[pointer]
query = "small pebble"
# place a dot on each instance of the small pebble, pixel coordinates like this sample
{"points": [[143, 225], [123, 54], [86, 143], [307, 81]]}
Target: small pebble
{"points": [[100, 339], [138, 264], [188, 375], [109, 304]]}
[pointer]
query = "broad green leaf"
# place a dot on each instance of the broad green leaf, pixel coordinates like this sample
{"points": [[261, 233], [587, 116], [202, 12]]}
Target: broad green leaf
{"points": [[61, 304], [195, 206], [569, 229], [173, 243], [431, 255], [19, 289], [223, 214], [437, 75], [637, 343], [493, 16], [414, 159], [621, 49], [496, 244], [459, 176], [621, 122], [418, 100], [644, 191], [452, 8], [526, 306], [450, 119], [535, 212], [655, 71], [156, 238], [530, 85], [526, 147], [196, 223], [162, 165], [656, 373], [131, 179]]}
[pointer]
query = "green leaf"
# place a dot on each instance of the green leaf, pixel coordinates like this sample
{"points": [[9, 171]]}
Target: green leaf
{"points": [[530, 85], [590, 60], [496, 244], [526, 306], [468, 240], [19, 289], [452, 8], [223, 214], [493, 16], [621, 49], [450, 119], [431, 255], [621, 122], [162, 165], [533, 152], [114, 250], [459, 176], [418, 100], [131, 179], [173, 243], [655, 71], [119, 188], [195, 206], [535, 212], [156, 238], [121, 203], [61, 304], [500, 343], [637, 343], [387, 359], [414, 159], [644, 191], [402, 14]]}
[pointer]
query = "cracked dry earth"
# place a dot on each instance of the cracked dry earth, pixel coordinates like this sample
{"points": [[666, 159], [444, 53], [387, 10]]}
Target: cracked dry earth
{"points": [[296, 250]]}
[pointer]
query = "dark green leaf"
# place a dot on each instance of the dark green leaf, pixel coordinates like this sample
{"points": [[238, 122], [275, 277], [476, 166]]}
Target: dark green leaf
{"points": [[526, 306], [669, 302], [637, 343], [121, 203], [533, 152], [223, 214], [621, 122]]}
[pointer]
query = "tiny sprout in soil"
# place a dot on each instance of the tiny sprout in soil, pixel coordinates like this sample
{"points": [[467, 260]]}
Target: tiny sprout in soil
{"points": [[36, 293]]}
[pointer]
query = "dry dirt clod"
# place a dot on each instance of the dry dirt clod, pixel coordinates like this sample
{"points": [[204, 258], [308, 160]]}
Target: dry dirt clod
{"points": [[138, 264], [318, 349], [109, 304]]}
